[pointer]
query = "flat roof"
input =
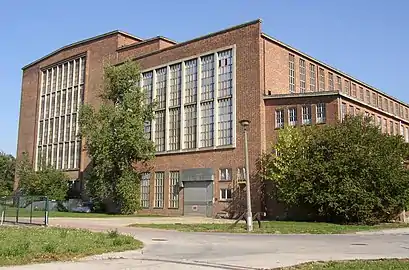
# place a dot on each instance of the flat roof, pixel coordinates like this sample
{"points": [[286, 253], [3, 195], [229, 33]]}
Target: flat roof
{"points": [[301, 95], [82, 42], [263, 35], [290, 48], [125, 47], [199, 38]]}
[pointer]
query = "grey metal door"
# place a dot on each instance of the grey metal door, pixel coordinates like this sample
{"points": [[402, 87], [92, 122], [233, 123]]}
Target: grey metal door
{"points": [[198, 198]]}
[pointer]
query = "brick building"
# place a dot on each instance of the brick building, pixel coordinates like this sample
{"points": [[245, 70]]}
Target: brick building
{"points": [[203, 87]]}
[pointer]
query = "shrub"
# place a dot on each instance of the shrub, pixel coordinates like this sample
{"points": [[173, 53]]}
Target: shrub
{"points": [[349, 172], [45, 182]]}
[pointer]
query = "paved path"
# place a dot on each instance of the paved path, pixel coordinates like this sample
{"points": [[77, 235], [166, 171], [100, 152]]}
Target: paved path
{"points": [[176, 250]]}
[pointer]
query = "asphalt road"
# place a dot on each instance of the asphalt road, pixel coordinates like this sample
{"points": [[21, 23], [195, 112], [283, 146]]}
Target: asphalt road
{"points": [[176, 250]]}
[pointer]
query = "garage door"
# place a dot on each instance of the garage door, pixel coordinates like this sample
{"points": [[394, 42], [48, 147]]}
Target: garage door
{"points": [[198, 198]]}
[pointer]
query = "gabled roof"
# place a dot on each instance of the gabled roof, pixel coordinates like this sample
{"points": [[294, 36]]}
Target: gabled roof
{"points": [[115, 32]]}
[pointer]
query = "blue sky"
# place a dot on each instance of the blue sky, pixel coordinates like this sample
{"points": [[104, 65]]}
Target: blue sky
{"points": [[367, 39]]}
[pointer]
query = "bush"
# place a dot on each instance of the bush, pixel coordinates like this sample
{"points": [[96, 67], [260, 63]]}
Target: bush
{"points": [[7, 168], [45, 182], [347, 173]]}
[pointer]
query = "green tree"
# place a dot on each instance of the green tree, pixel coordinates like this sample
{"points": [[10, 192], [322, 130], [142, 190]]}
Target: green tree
{"points": [[347, 172], [115, 137], [45, 182], [7, 169]]}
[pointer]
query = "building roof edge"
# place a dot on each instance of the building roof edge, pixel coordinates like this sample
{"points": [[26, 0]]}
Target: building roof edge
{"points": [[270, 38], [145, 41], [200, 38], [81, 42]]}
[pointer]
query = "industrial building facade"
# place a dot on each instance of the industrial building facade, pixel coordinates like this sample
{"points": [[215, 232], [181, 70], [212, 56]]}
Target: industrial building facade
{"points": [[203, 88]]}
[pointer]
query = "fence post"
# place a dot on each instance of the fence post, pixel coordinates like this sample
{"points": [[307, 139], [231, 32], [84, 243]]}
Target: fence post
{"points": [[46, 212], [3, 211], [18, 208], [5, 208], [2, 217], [31, 211]]}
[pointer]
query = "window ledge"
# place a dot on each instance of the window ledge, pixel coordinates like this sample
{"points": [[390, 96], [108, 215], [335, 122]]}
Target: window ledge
{"points": [[70, 170], [202, 149]]}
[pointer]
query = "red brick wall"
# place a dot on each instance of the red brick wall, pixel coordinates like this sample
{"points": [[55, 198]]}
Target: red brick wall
{"points": [[101, 52], [124, 40], [362, 108], [273, 104], [96, 52], [275, 68], [275, 76], [165, 44], [138, 50], [248, 102]]}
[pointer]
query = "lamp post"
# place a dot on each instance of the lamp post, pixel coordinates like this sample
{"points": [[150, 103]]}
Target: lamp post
{"points": [[245, 124]]}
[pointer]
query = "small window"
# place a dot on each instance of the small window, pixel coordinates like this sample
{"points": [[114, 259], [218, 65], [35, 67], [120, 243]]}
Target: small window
{"points": [[225, 194], [312, 78], [331, 81], [292, 116], [302, 76], [374, 99], [385, 125], [385, 105], [407, 134], [343, 110], [339, 84], [354, 90], [241, 173], [291, 65], [351, 110], [279, 118], [321, 79], [347, 90], [321, 113], [225, 174], [368, 97], [306, 115], [379, 123]]}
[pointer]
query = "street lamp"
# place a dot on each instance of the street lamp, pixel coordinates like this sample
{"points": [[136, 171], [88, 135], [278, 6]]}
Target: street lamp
{"points": [[245, 124]]}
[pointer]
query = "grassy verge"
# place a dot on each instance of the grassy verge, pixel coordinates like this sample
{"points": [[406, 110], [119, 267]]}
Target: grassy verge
{"points": [[24, 245], [12, 213], [274, 227], [390, 264]]}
